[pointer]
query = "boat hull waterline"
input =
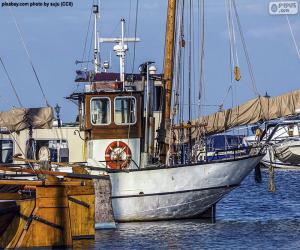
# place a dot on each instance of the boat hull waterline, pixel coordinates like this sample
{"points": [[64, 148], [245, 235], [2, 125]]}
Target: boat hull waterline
{"points": [[176, 192]]}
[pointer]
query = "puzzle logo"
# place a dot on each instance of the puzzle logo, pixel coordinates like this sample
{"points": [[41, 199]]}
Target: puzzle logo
{"points": [[283, 8]]}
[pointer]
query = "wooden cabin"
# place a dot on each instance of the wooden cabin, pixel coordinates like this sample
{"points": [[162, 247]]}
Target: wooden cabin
{"points": [[112, 116]]}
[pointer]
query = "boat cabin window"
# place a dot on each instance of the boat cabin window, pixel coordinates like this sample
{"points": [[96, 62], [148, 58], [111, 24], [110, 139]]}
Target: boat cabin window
{"points": [[125, 110], [6, 150], [100, 111]]}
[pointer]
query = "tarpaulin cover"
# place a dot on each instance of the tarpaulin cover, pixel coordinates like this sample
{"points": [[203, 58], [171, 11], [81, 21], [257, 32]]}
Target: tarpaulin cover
{"points": [[251, 112], [18, 119]]}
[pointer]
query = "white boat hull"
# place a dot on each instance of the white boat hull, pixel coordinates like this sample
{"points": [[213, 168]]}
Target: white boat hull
{"points": [[175, 192], [288, 151]]}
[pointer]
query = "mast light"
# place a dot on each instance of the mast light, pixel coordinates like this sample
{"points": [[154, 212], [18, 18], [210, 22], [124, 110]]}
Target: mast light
{"points": [[95, 9]]}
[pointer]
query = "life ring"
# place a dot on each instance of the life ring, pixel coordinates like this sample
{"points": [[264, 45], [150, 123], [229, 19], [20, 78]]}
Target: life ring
{"points": [[117, 155]]}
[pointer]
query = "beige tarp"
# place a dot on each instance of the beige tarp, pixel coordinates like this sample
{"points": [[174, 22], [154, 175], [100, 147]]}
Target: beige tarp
{"points": [[18, 119], [258, 109]]}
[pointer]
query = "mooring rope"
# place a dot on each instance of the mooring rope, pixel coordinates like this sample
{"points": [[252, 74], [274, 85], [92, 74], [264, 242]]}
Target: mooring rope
{"points": [[271, 186]]}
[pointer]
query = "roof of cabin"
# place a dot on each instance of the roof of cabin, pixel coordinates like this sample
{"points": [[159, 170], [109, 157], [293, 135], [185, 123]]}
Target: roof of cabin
{"points": [[87, 76]]}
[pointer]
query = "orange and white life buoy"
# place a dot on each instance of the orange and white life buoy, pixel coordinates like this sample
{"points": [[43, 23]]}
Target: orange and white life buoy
{"points": [[117, 155]]}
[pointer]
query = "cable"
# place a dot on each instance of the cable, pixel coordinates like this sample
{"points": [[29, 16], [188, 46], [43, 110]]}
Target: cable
{"points": [[28, 55], [86, 37], [202, 54], [135, 35], [293, 36], [11, 83]]}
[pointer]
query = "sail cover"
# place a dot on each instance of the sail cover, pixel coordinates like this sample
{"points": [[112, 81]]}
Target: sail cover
{"points": [[251, 112], [18, 119]]}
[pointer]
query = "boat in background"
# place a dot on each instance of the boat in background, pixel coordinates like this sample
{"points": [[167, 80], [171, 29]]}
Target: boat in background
{"points": [[282, 139], [222, 146]]}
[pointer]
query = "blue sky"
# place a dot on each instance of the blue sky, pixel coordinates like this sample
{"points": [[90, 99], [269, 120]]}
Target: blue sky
{"points": [[55, 39]]}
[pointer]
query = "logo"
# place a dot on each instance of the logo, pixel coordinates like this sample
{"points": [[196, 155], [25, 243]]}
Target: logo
{"points": [[283, 8]]}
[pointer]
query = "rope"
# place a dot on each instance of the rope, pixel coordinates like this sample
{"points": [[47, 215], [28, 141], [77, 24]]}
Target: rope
{"points": [[271, 186], [245, 49], [293, 36], [202, 54], [11, 83], [86, 37], [18, 145], [135, 36], [133, 63], [179, 40], [28, 55]]}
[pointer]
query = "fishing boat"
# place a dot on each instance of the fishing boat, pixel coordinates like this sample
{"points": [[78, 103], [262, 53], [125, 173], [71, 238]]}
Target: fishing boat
{"points": [[120, 113], [127, 129]]}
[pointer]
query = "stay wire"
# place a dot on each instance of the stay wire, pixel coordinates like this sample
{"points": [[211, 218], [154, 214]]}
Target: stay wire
{"points": [[16, 141], [202, 54], [245, 50], [28, 55], [87, 36], [11, 83], [135, 36], [293, 36], [133, 63]]}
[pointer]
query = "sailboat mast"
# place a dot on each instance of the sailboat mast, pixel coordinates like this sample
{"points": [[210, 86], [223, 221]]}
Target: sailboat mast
{"points": [[168, 73]]}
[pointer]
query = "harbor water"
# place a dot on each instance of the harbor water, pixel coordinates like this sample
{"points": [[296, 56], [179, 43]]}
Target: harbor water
{"points": [[248, 218]]}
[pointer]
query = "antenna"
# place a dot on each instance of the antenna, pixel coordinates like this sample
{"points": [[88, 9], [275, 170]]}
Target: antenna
{"points": [[120, 48]]}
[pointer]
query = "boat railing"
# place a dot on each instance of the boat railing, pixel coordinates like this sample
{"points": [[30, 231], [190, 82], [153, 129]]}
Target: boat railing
{"points": [[234, 153]]}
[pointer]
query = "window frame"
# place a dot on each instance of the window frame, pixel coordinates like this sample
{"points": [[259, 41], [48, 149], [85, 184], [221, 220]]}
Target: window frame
{"points": [[110, 109], [135, 112], [13, 150]]}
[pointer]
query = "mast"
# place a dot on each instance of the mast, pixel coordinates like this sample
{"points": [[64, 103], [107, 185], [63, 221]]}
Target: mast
{"points": [[120, 48], [96, 46], [168, 76], [122, 54]]}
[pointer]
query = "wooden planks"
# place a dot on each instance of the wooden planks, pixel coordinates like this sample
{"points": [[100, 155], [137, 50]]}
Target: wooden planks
{"points": [[55, 218], [82, 217], [14, 231]]}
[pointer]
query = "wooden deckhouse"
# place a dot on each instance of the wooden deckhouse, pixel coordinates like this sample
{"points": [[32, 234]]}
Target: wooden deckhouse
{"points": [[112, 116]]}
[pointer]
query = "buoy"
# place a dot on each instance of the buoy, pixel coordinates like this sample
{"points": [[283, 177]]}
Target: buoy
{"points": [[117, 155]]}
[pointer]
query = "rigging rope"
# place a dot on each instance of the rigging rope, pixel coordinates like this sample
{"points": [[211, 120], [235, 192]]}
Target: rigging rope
{"points": [[245, 49], [293, 36], [133, 63], [86, 37], [179, 45], [202, 54], [11, 83], [190, 60], [17, 143], [135, 36], [28, 55]]}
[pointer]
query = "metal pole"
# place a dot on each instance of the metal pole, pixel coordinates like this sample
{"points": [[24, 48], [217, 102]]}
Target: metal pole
{"points": [[122, 57], [147, 112], [96, 63]]}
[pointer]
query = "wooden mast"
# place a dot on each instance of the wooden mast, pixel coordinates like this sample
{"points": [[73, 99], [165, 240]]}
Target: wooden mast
{"points": [[168, 76]]}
